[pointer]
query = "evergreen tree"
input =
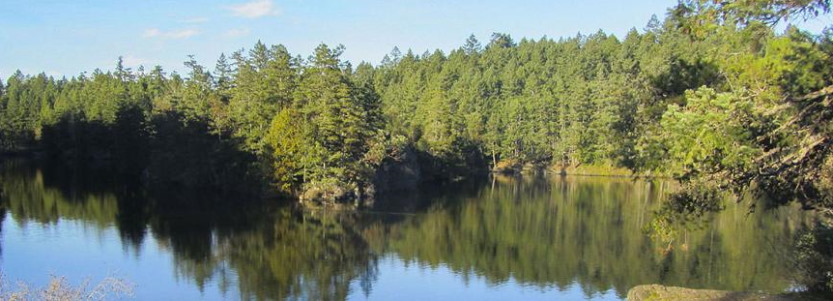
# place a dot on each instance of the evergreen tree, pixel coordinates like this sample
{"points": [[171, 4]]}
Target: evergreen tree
{"points": [[223, 76], [336, 118], [472, 45]]}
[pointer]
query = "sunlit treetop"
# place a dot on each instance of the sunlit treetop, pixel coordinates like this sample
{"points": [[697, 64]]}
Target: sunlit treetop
{"points": [[699, 15]]}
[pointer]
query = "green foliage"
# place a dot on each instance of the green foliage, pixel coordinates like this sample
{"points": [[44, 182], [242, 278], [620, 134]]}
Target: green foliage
{"points": [[710, 133], [706, 93], [759, 128], [287, 142], [762, 130], [712, 96], [263, 84], [336, 121], [704, 12], [568, 102]]}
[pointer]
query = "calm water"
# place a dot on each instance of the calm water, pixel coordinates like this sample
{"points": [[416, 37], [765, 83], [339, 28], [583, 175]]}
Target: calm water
{"points": [[567, 238]]}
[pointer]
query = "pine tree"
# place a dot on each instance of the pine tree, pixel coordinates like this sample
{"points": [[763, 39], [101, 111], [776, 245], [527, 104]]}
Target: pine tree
{"points": [[472, 45], [223, 76], [336, 118]]}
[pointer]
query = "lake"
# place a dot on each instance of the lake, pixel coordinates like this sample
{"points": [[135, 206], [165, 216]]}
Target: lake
{"points": [[505, 238]]}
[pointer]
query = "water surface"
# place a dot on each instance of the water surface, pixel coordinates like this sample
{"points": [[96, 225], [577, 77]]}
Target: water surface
{"points": [[502, 239]]}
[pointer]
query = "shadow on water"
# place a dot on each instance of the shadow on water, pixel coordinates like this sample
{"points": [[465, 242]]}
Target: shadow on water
{"points": [[270, 248], [548, 232]]}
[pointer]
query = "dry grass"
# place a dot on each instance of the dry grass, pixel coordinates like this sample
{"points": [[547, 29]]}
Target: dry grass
{"points": [[592, 170], [59, 289]]}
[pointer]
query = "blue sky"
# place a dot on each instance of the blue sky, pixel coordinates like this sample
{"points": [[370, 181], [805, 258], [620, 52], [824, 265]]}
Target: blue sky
{"points": [[68, 37]]}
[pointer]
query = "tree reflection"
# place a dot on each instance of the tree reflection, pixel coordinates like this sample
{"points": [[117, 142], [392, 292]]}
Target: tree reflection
{"points": [[590, 230], [545, 232], [270, 251]]}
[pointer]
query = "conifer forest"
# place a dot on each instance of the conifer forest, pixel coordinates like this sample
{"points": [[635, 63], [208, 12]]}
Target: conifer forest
{"points": [[725, 99]]}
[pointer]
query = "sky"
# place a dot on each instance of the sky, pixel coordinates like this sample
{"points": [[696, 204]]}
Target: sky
{"points": [[65, 38]]}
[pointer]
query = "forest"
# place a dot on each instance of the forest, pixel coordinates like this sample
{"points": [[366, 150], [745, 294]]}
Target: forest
{"points": [[711, 95], [726, 97]]}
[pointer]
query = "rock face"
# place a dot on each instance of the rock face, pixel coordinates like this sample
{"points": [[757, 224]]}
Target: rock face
{"points": [[401, 173], [655, 292], [507, 167], [398, 172]]}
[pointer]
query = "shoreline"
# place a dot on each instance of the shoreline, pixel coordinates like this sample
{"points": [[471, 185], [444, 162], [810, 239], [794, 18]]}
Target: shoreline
{"points": [[657, 292]]}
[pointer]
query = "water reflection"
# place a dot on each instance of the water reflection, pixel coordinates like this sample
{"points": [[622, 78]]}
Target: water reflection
{"points": [[590, 230], [511, 233]]}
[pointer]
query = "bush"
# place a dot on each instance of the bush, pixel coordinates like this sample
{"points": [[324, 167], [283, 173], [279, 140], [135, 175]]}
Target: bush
{"points": [[59, 289]]}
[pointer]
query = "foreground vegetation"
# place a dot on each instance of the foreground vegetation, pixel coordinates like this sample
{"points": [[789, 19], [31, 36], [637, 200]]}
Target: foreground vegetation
{"points": [[59, 289]]}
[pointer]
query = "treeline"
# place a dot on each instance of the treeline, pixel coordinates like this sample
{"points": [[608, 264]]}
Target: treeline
{"points": [[572, 101], [705, 93], [264, 113]]}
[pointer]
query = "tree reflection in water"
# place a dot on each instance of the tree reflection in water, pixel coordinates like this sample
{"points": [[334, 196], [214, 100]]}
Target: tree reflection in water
{"points": [[545, 232]]}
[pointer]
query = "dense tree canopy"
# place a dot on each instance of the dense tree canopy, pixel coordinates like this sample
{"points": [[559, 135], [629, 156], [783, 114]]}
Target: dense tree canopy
{"points": [[712, 94]]}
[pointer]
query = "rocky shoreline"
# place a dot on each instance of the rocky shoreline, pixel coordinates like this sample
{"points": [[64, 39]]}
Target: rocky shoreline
{"points": [[656, 292]]}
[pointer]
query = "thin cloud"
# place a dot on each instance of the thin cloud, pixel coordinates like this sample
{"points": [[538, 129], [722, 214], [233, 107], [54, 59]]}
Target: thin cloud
{"points": [[195, 20], [151, 33], [182, 34], [254, 9], [173, 34], [237, 32]]}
